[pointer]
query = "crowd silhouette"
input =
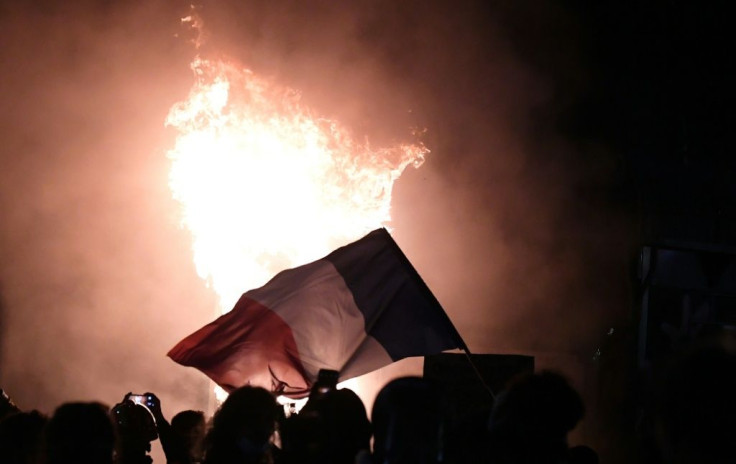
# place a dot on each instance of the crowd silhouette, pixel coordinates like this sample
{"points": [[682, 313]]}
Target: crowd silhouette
{"points": [[689, 418]]}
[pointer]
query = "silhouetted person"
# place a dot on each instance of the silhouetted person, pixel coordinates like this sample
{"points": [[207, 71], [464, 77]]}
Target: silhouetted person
{"points": [[79, 433], [331, 429], [175, 447], [346, 420], [20, 437], [242, 428], [188, 429], [410, 420], [303, 439], [530, 421], [696, 412], [136, 429]]}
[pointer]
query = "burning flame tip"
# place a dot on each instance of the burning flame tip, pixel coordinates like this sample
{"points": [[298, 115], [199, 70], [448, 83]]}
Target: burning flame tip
{"points": [[265, 184]]}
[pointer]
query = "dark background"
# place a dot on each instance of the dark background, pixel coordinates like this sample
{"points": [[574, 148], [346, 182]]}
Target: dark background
{"points": [[565, 136]]}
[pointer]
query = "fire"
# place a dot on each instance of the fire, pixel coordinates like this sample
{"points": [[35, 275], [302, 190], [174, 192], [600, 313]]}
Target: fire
{"points": [[264, 184]]}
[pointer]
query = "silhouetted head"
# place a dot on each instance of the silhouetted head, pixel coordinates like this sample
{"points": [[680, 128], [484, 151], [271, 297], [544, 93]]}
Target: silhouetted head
{"points": [[134, 421], [347, 422], [20, 437], [330, 428], [136, 429], [189, 428], [304, 439], [410, 421], [533, 417], [80, 433], [242, 427]]}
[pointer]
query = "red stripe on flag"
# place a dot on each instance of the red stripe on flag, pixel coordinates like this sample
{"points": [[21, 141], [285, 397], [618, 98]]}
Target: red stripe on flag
{"points": [[249, 345]]}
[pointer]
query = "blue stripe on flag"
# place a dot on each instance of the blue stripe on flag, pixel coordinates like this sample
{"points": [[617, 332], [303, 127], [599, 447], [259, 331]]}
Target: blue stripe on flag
{"points": [[399, 309]]}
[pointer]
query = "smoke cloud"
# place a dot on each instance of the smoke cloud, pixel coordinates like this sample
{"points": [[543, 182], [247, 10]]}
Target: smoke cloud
{"points": [[96, 274]]}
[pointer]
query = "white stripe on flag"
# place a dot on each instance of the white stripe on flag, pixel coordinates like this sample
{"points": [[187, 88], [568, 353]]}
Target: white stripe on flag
{"points": [[328, 327]]}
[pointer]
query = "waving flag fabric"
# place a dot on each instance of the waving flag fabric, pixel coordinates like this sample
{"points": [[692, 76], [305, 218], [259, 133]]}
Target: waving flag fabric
{"points": [[361, 307]]}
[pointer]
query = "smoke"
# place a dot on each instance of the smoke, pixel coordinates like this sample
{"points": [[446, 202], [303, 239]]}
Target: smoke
{"points": [[511, 222], [96, 275]]}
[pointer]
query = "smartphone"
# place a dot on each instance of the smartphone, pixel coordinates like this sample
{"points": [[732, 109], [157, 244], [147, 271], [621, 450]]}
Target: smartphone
{"points": [[326, 380], [138, 399]]}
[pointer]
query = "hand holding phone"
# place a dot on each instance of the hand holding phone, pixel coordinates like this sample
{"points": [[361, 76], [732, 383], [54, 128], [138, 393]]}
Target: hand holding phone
{"points": [[153, 404]]}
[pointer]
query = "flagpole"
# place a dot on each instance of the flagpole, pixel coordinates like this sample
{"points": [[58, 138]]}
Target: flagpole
{"points": [[418, 279], [468, 355]]}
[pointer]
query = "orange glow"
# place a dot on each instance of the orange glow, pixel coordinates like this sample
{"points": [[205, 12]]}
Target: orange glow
{"points": [[264, 184]]}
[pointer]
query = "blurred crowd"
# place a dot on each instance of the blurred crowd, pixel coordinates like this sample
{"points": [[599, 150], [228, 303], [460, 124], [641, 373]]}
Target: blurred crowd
{"points": [[690, 417]]}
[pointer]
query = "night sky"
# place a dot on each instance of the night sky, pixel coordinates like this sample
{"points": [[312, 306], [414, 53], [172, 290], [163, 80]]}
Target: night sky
{"points": [[564, 135]]}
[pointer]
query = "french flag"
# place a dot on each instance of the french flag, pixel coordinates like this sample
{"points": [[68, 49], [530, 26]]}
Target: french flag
{"points": [[360, 308]]}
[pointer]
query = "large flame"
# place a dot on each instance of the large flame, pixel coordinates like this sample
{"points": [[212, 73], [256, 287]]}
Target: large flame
{"points": [[266, 185]]}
